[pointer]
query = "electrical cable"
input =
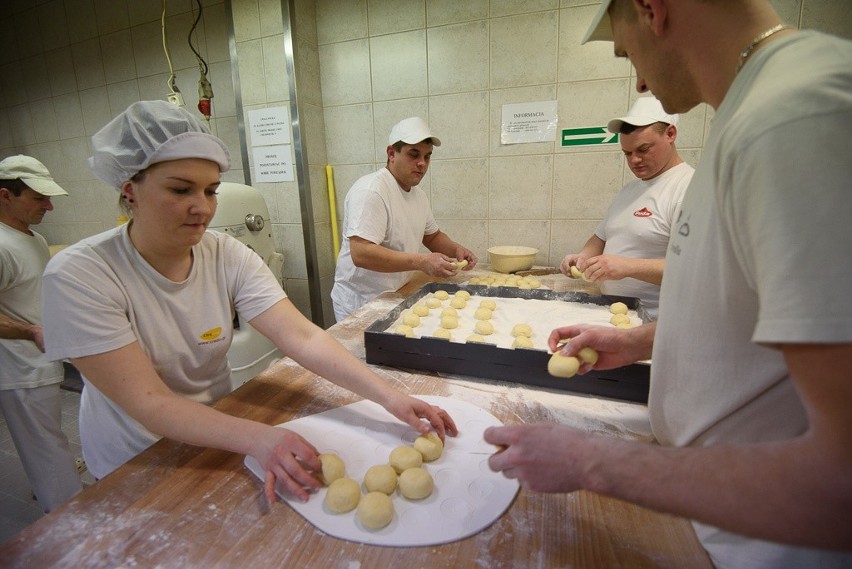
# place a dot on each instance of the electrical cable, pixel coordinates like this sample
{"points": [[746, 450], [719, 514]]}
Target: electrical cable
{"points": [[205, 89], [175, 97]]}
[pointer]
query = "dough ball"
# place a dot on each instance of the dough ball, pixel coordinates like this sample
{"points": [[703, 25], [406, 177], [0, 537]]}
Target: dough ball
{"points": [[449, 322], [420, 310], [462, 294], [484, 327], [522, 330], [489, 304], [375, 510], [415, 484], [624, 325], [402, 458], [576, 273], [458, 302], [411, 320], [588, 355], [475, 338], [534, 283], [380, 478], [442, 294], [524, 285], [482, 314], [430, 446], [474, 281], [433, 302], [522, 342], [562, 366], [405, 330], [332, 468], [449, 312], [343, 495], [620, 319], [461, 264], [618, 308], [442, 333]]}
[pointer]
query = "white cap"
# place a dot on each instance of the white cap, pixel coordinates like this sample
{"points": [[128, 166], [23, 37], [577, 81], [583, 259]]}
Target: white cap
{"points": [[601, 28], [31, 172], [645, 111], [411, 131], [148, 132]]}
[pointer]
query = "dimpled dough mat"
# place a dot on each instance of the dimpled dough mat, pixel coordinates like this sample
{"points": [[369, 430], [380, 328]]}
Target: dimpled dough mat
{"points": [[468, 496]]}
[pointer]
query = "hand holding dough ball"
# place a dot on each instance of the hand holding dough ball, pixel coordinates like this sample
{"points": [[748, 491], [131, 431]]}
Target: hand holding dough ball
{"points": [[460, 264], [576, 273], [405, 330], [489, 304], [420, 310], [430, 446], [522, 342], [458, 302], [332, 468], [449, 322], [402, 458], [482, 314], [588, 355], [380, 478], [442, 333], [619, 319], [562, 366], [343, 495], [484, 327], [618, 308], [411, 320], [433, 302], [442, 294], [415, 484], [375, 510], [522, 330]]}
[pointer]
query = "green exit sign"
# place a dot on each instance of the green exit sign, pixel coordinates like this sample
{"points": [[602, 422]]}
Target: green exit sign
{"points": [[588, 136]]}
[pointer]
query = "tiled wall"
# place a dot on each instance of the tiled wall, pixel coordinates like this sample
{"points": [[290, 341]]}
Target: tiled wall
{"points": [[361, 66]]}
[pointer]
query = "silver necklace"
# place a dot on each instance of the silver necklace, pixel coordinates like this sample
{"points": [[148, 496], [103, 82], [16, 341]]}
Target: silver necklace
{"points": [[755, 42]]}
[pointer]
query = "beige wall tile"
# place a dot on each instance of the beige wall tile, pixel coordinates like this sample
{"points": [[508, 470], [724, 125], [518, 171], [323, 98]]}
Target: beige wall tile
{"points": [[471, 233], [341, 21], [460, 188], [585, 183], [442, 12], [398, 65], [60, 70], [44, 120], [82, 22], [832, 17], [461, 122], [36, 81], [246, 20], [509, 7], [88, 64], [51, 21], [118, 60], [458, 58], [111, 16], [392, 16], [252, 78], [521, 187], [567, 237], [524, 49], [349, 133], [345, 72], [594, 60], [275, 68]]}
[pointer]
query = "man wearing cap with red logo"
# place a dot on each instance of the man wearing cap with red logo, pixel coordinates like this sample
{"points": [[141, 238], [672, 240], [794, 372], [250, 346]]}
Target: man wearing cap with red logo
{"points": [[29, 383], [386, 219], [627, 250]]}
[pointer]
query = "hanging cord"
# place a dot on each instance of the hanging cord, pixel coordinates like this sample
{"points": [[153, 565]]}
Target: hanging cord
{"points": [[205, 89], [175, 97]]}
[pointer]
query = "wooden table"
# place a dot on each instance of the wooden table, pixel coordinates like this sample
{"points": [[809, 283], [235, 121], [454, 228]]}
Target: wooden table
{"points": [[181, 506]]}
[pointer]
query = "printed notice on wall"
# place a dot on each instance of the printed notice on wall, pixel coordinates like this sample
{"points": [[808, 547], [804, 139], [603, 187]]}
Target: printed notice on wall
{"points": [[529, 122], [269, 126], [272, 163]]}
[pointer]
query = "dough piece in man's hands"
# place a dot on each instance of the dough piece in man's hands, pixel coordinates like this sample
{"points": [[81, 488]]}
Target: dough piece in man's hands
{"points": [[563, 366], [415, 484], [375, 510], [343, 495], [430, 446], [461, 264], [402, 458], [332, 468], [380, 478]]}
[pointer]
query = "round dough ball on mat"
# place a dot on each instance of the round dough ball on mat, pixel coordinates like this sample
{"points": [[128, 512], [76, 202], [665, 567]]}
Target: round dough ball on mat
{"points": [[475, 338], [534, 283], [449, 322], [482, 314], [458, 302], [380, 478], [375, 510], [588, 355], [448, 311], [415, 484], [484, 327], [430, 446], [522, 342], [442, 333], [433, 302], [442, 294], [405, 330], [489, 304], [474, 281], [420, 310], [462, 294], [343, 495], [411, 320], [332, 468], [522, 330], [618, 308], [562, 366], [619, 319], [402, 458]]}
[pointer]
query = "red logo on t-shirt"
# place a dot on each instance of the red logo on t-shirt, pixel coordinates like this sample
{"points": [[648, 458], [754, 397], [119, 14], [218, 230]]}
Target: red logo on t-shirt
{"points": [[644, 212]]}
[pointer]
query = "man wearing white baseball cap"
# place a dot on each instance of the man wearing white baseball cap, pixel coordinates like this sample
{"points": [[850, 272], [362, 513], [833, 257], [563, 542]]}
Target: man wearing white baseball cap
{"points": [[29, 384], [751, 387], [386, 219], [626, 253]]}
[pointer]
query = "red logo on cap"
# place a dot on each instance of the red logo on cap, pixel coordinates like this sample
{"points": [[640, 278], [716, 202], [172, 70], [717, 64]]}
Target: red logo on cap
{"points": [[644, 212]]}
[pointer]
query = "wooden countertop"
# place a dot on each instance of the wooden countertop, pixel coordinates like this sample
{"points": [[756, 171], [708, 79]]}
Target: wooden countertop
{"points": [[176, 505]]}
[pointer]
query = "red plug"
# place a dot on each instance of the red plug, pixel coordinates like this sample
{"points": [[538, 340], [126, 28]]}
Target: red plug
{"points": [[204, 108]]}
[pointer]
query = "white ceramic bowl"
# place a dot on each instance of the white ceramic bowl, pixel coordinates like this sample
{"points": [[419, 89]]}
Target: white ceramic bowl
{"points": [[511, 258]]}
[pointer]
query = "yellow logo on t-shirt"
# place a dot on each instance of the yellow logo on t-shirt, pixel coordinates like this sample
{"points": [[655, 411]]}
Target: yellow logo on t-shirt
{"points": [[211, 334]]}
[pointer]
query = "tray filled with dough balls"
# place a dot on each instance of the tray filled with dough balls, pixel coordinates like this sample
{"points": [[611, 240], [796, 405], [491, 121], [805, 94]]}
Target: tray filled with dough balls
{"points": [[502, 333]]}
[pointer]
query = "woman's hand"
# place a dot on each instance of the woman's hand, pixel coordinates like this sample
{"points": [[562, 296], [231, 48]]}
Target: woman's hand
{"points": [[412, 411], [287, 457]]}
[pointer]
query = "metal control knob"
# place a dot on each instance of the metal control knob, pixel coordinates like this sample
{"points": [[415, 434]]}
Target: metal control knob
{"points": [[254, 222]]}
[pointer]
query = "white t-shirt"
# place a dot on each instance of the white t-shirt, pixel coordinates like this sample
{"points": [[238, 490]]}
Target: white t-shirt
{"points": [[759, 256], [100, 295], [379, 210], [638, 224], [22, 261]]}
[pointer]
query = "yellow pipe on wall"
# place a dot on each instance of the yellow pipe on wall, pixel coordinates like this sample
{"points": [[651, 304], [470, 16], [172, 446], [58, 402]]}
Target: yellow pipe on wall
{"points": [[332, 206]]}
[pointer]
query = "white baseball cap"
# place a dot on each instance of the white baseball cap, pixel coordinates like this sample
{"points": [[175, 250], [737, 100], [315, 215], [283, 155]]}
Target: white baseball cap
{"points": [[645, 111], [31, 172], [601, 28], [148, 132], [411, 131]]}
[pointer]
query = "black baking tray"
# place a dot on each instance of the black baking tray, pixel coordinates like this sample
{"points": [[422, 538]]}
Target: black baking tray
{"points": [[520, 365]]}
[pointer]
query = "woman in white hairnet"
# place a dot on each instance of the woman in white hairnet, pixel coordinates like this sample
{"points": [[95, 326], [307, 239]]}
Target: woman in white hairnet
{"points": [[145, 311]]}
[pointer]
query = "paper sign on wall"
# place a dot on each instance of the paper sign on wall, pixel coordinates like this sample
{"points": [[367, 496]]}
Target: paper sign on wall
{"points": [[269, 126], [528, 122], [272, 163]]}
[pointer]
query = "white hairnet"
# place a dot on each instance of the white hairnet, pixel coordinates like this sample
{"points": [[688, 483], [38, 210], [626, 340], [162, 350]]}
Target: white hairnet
{"points": [[149, 132]]}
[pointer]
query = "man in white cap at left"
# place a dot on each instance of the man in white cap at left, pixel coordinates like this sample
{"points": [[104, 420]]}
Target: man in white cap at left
{"points": [[29, 384], [386, 219]]}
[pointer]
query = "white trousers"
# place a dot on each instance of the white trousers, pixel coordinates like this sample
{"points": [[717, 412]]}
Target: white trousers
{"points": [[34, 418]]}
